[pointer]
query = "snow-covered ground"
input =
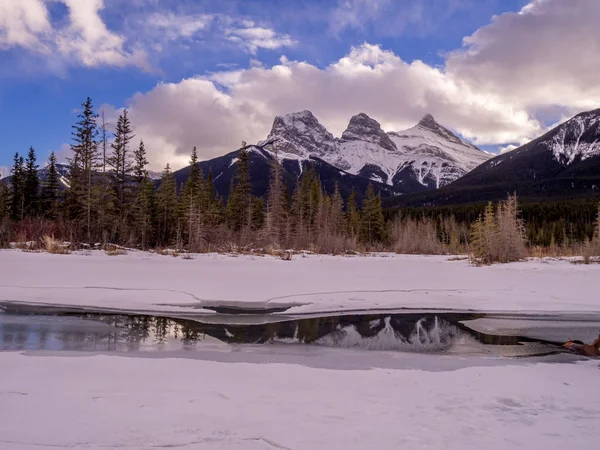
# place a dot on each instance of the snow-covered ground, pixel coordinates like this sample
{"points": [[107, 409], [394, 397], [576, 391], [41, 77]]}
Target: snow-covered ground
{"points": [[149, 282], [112, 402]]}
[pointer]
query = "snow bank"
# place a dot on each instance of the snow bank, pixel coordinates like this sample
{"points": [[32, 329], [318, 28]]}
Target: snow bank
{"points": [[150, 282], [107, 402]]}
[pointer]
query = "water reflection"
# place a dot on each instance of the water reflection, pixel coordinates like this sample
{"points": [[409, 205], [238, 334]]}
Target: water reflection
{"points": [[125, 333]]}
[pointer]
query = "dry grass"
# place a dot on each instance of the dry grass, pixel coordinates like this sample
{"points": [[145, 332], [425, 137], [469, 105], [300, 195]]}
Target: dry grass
{"points": [[53, 246], [114, 250]]}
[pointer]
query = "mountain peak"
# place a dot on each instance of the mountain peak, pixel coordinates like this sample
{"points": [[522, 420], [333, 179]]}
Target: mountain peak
{"points": [[428, 122], [364, 128], [300, 133]]}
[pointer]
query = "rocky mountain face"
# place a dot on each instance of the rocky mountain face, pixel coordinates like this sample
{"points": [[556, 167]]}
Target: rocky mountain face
{"points": [[424, 157], [563, 163]]}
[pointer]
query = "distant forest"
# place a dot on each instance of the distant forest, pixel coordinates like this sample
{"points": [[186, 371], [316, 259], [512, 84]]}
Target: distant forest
{"points": [[108, 198]]}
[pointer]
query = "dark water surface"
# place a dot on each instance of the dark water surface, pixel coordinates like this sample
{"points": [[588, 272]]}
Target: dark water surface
{"points": [[38, 328]]}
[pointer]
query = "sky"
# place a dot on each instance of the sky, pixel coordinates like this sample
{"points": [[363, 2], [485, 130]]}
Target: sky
{"points": [[211, 74]]}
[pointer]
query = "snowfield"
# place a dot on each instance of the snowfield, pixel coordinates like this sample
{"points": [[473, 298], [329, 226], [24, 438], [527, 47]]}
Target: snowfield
{"points": [[141, 281], [111, 402]]}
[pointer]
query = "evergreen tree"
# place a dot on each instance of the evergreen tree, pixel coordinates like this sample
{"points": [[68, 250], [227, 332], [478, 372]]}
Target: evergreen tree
{"points": [[352, 216], [103, 140], [337, 212], [167, 205], [17, 194], [31, 192], [83, 197], [213, 212], [120, 162], [145, 212], [275, 219], [372, 228], [51, 190], [257, 215], [243, 185], [4, 202], [192, 201], [139, 164], [234, 216]]}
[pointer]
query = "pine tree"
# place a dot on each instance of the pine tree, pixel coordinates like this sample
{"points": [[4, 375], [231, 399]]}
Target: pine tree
{"points": [[103, 140], [234, 216], [243, 185], [213, 210], [145, 212], [17, 194], [51, 190], [4, 203], [83, 197], [120, 162], [139, 164], [352, 216], [31, 192], [167, 205], [275, 220], [257, 215], [192, 202], [372, 228], [337, 212]]}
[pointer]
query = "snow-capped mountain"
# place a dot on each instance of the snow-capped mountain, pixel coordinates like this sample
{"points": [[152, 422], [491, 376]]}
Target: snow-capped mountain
{"points": [[564, 162], [426, 156], [577, 139]]}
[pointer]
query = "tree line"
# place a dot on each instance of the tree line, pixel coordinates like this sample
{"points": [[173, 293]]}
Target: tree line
{"points": [[108, 197]]}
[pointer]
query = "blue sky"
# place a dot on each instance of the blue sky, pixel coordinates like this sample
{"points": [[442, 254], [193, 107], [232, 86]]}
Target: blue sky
{"points": [[53, 54]]}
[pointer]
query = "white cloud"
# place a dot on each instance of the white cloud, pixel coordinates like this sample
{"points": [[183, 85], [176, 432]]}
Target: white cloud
{"points": [[521, 67], [85, 38], [542, 56], [173, 26], [217, 112], [253, 37], [22, 22]]}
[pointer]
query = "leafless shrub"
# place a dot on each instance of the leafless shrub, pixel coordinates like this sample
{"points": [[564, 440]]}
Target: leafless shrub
{"points": [[114, 250], [499, 234], [410, 236], [54, 246]]}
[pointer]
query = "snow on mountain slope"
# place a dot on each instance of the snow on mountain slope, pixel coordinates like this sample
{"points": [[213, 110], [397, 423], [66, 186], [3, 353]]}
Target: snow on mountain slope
{"points": [[298, 136], [579, 138], [434, 154], [427, 155]]}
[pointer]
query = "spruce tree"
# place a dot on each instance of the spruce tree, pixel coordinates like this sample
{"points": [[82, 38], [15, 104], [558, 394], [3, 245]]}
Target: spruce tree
{"points": [[257, 215], [372, 228], [352, 216], [139, 164], [243, 185], [120, 163], [275, 207], [167, 205], [144, 209], [4, 203], [83, 197], [337, 212], [234, 215], [213, 212], [51, 190], [17, 192], [192, 202], [103, 140], [31, 192]]}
